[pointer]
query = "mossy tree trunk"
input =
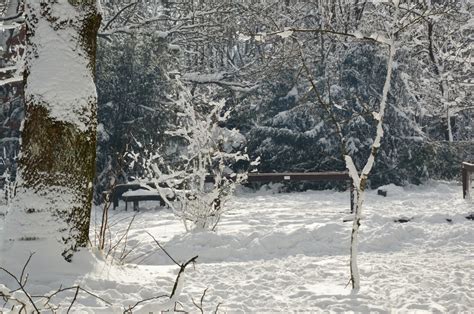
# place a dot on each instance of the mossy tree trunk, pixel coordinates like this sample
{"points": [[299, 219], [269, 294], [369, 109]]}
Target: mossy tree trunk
{"points": [[58, 141]]}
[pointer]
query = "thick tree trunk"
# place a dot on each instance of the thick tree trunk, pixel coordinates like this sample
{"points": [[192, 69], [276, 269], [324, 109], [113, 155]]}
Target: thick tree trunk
{"points": [[51, 209]]}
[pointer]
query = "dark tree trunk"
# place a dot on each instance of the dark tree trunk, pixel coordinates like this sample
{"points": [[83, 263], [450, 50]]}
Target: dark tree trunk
{"points": [[57, 161]]}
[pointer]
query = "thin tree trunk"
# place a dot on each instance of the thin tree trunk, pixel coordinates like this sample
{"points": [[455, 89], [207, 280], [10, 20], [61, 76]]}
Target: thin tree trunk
{"points": [[360, 182], [443, 86], [51, 209]]}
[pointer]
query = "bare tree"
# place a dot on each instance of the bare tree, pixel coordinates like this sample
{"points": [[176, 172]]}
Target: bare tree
{"points": [[206, 152]]}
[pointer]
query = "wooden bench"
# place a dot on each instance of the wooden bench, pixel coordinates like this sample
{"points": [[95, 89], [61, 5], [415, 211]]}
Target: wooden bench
{"points": [[467, 170], [138, 198], [117, 194]]}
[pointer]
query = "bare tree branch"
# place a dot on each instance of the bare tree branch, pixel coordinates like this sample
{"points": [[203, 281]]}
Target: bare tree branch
{"points": [[12, 17], [118, 13], [19, 280]]}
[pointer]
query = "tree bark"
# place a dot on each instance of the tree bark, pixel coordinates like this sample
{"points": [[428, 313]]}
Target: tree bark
{"points": [[57, 161]]}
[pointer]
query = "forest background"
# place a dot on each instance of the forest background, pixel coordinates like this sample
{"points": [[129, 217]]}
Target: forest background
{"points": [[301, 98]]}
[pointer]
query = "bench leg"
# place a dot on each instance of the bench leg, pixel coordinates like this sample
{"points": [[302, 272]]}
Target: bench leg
{"points": [[465, 184], [135, 205]]}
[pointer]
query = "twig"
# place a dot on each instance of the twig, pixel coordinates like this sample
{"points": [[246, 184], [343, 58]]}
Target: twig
{"points": [[73, 300], [124, 236], [348, 282], [126, 254], [163, 249], [175, 286], [181, 271], [94, 295], [179, 311], [12, 17], [24, 268], [77, 288], [199, 306], [217, 307], [103, 225], [130, 308], [142, 257]]}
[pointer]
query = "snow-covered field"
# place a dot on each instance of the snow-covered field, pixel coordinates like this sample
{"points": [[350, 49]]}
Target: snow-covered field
{"points": [[289, 252]]}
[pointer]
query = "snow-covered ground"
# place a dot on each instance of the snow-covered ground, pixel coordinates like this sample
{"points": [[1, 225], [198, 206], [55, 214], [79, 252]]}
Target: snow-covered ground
{"points": [[289, 252]]}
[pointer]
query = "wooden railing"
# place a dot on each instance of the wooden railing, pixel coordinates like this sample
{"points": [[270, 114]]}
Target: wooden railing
{"points": [[467, 170], [305, 176], [298, 176], [116, 194]]}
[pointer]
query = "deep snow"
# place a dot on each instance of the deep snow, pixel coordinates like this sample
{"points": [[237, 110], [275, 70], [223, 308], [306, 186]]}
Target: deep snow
{"points": [[290, 252]]}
